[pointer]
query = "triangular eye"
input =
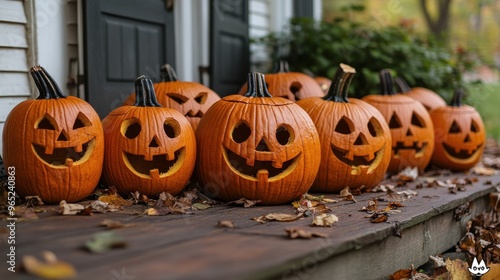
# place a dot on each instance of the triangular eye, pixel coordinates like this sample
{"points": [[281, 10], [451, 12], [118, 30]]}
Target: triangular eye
{"points": [[181, 99], [294, 88], [416, 120], [344, 126], [46, 123], [474, 127], [454, 128], [374, 127], [81, 121], [395, 122], [201, 98]]}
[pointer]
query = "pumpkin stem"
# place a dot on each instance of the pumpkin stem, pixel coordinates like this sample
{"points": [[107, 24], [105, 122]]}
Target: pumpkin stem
{"points": [[46, 85], [168, 74], [402, 84], [338, 91], [456, 100], [387, 87], [145, 95], [282, 67], [257, 85]]}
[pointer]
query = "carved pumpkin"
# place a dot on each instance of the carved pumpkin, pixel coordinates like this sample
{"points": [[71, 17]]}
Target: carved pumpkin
{"points": [[149, 148], [55, 142], [355, 139], [410, 124], [257, 146], [427, 97], [459, 135], [324, 83], [190, 98], [290, 85]]}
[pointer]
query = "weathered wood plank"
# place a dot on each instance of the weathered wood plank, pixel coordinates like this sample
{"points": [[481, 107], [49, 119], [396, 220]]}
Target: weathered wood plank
{"points": [[6, 105], [14, 84], [13, 60], [12, 11], [192, 247], [13, 35]]}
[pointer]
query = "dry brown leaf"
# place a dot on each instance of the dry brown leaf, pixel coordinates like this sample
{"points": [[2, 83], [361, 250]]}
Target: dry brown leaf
{"points": [[115, 199], [225, 224], [403, 274], [295, 233], [482, 170], [378, 217], [383, 188], [407, 175], [324, 220], [372, 206], [407, 193], [493, 273], [49, 268], [457, 270], [245, 202], [437, 261], [279, 217], [32, 201], [70, 208]]}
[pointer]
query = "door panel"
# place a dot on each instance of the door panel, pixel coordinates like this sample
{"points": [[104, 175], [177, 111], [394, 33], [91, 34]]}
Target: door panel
{"points": [[229, 45], [123, 40]]}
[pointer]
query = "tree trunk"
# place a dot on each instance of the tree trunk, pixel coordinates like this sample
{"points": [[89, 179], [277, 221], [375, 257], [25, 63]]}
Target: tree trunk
{"points": [[439, 25]]}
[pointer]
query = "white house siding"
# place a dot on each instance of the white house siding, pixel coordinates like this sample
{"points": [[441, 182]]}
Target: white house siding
{"points": [[259, 26], [15, 56]]}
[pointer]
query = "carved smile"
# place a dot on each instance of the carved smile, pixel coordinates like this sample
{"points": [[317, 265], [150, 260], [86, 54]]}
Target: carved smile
{"points": [[64, 157], [158, 166], [260, 169], [418, 147], [359, 162], [461, 154]]}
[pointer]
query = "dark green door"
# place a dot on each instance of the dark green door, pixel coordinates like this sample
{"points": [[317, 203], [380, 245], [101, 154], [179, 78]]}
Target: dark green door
{"points": [[123, 40]]}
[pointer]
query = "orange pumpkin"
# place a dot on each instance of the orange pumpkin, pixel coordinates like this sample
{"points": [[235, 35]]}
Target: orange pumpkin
{"points": [[55, 143], [459, 135], [355, 139], [290, 85], [324, 83], [427, 97], [257, 146], [190, 98], [410, 124], [149, 148]]}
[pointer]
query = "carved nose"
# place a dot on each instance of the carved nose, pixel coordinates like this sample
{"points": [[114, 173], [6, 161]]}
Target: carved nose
{"points": [[361, 140], [408, 132], [153, 144], [63, 136], [467, 139], [262, 146]]}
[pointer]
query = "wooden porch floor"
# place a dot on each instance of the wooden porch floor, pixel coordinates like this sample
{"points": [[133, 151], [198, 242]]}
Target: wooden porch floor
{"points": [[193, 247]]}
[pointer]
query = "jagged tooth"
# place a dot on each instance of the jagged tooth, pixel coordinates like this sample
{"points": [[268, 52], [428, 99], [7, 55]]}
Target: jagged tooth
{"points": [[148, 157], [170, 156], [262, 175], [349, 155], [457, 150], [369, 157], [78, 148], [250, 161], [154, 173], [49, 150], [419, 144], [68, 162], [277, 164]]}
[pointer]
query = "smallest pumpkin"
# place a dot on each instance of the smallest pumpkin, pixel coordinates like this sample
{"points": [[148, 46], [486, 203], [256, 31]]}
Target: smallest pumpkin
{"points": [[460, 135], [427, 97]]}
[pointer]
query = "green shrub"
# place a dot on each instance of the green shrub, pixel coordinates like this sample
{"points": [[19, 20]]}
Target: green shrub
{"points": [[319, 47]]}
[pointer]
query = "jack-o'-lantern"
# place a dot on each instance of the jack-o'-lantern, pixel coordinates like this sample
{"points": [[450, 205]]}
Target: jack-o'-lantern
{"points": [[410, 125], [324, 83], [355, 139], [427, 97], [257, 146], [459, 135], [190, 98], [55, 143], [290, 85], [149, 148]]}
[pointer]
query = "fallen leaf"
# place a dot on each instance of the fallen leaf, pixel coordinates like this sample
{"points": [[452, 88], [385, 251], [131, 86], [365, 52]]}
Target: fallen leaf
{"points": [[383, 188], [396, 230], [372, 206], [461, 210], [482, 170], [407, 193], [111, 224], [105, 241], [324, 220], [225, 224], [49, 268], [245, 202], [378, 217], [279, 217], [437, 261], [200, 206], [32, 201], [457, 269], [407, 175], [493, 273], [295, 233], [403, 274], [87, 211], [346, 194], [115, 199], [70, 208]]}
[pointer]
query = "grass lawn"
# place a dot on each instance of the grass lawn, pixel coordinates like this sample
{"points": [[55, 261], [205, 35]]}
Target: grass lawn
{"points": [[486, 99]]}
